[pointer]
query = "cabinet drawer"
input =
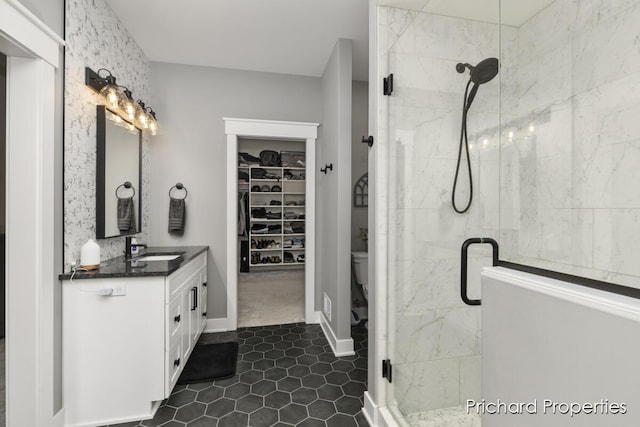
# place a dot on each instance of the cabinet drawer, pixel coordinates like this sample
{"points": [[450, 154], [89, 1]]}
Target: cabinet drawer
{"points": [[175, 320], [175, 363], [177, 280]]}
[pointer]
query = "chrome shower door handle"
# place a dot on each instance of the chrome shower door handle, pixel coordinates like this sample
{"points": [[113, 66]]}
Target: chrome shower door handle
{"points": [[463, 266]]}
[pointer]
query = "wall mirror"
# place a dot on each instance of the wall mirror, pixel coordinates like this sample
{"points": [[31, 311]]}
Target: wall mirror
{"points": [[118, 180]]}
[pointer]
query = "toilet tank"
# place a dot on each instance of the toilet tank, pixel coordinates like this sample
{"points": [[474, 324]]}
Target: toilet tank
{"points": [[361, 267]]}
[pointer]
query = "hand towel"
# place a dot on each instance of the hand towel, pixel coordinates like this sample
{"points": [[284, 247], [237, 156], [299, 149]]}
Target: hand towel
{"points": [[176, 215], [126, 215]]}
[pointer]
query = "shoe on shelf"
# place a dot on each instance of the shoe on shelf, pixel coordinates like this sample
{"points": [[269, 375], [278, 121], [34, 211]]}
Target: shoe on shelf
{"points": [[288, 257]]}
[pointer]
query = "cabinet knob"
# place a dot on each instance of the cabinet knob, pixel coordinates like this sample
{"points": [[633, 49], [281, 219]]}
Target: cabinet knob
{"points": [[177, 319], [204, 284], [176, 362], [204, 314]]}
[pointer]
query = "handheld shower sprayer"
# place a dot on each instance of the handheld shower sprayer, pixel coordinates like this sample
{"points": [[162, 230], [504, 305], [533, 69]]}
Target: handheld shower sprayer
{"points": [[482, 73]]}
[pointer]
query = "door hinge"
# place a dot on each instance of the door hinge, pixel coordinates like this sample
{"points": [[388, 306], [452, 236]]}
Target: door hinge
{"points": [[387, 84], [387, 370]]}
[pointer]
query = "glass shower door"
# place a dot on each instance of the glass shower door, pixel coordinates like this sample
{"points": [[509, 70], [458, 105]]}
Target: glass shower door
{"points": [[434, 338]]}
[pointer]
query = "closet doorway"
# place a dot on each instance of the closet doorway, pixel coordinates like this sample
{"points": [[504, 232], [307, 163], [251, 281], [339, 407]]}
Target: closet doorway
{"points": [[283, 257], [271, 231]]}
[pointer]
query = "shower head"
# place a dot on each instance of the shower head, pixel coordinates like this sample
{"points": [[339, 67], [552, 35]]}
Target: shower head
{"points": [[482, 73], [485, 71]]}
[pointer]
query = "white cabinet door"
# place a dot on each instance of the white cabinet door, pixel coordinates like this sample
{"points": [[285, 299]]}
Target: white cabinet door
{"points": [[187, 297], [195, 310]]}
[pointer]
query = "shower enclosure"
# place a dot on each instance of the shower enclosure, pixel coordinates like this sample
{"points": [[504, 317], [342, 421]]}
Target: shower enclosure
{"points": [[554, 144]]}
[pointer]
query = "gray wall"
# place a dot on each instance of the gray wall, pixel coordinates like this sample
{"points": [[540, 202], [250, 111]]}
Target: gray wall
{"points": [[334, 188], [51, 12], [191, 147], [359, 157]]}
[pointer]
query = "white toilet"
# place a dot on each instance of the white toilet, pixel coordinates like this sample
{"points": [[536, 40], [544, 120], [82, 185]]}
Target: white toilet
{"points": [[361, 267]]}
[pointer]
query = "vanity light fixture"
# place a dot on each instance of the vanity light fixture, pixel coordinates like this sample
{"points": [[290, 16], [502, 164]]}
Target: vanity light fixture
{"points": [[120, 99], [146, 118]]}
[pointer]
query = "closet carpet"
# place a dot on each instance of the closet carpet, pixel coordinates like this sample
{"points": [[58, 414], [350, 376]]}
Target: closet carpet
{"points": [[270, 298]]}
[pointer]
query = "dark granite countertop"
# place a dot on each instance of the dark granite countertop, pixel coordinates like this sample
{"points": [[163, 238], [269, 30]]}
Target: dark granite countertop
{"points": [[132, 267]]}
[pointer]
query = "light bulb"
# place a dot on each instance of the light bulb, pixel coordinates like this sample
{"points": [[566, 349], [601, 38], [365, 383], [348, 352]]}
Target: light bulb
{"points": [[130, 111], [142, 118], [112, 98], [153, 127]]}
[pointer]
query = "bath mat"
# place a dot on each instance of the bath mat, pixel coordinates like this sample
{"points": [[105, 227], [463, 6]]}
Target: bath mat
{"points": [[210, 362]]}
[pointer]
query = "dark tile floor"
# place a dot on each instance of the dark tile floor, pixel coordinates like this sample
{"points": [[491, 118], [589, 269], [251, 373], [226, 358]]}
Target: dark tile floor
{"points": [[287, 375]]}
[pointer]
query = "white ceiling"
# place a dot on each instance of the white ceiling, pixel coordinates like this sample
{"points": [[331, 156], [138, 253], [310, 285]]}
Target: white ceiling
{"points": [[277, 36], [514, 12]]}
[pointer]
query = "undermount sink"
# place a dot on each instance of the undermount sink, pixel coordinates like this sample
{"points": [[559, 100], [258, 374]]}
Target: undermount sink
{"points": [[158, 257]]}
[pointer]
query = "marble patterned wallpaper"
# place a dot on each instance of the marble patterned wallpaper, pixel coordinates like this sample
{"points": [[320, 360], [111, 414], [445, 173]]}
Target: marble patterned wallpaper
{"points": [[97, 39], [570, 144], [435, 337]]}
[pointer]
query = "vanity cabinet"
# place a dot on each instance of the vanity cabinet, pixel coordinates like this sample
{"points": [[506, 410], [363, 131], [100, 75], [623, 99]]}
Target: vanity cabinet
{"points": [[123, 352]]}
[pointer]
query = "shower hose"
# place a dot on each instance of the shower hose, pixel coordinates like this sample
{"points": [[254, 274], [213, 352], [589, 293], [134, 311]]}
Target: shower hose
{"points": [[463, 141]]}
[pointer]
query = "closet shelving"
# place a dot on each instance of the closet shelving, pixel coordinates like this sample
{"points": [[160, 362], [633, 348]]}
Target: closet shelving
{"points": [[288, 204]]}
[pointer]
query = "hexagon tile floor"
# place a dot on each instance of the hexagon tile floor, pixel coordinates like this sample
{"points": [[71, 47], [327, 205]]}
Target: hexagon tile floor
{"points": [[287, 375]]}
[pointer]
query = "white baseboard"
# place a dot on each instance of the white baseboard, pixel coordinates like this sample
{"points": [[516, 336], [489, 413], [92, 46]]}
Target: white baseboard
{"points": [[386, 418], [58, 419], [370, 410], [315, 318], [216, 325], [340, 347]]}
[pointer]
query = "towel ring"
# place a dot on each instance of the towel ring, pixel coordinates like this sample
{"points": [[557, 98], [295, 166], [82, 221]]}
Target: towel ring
{"points": [[179, 186], [126, 184]]}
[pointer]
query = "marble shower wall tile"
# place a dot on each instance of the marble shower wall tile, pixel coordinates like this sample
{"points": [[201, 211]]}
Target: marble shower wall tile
{"points": [[604, 9], [393, 24], [470, 378], [455, 39], [438, 334], [558, 235], [427, 385], [607, 51], [95, 38], [615, 238], [435, 284], [567, 201]]}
